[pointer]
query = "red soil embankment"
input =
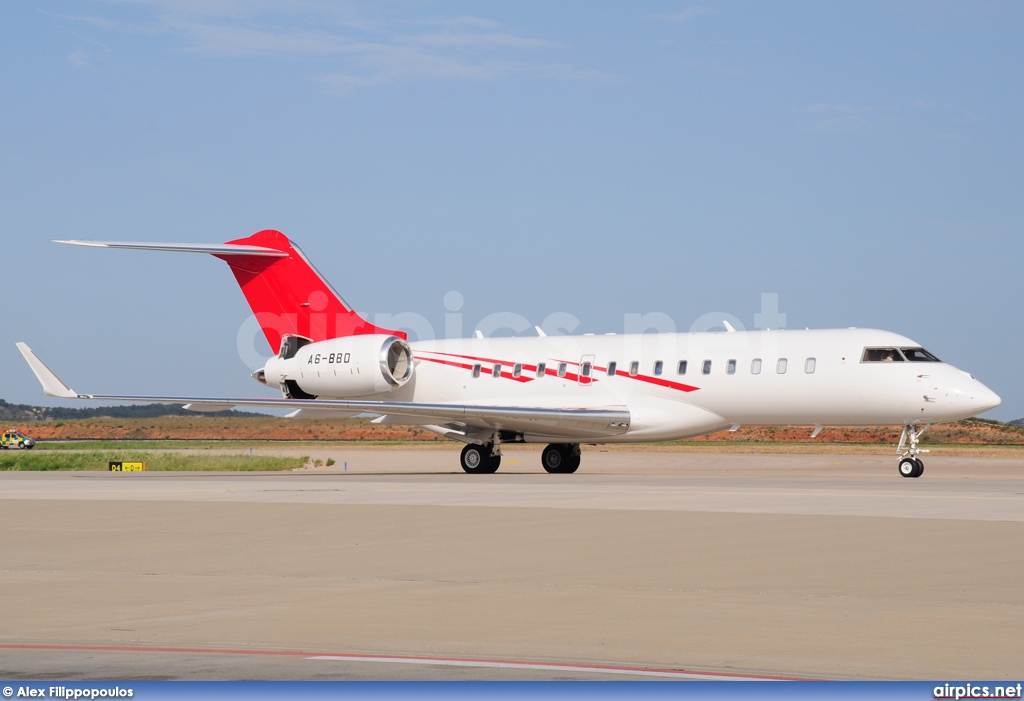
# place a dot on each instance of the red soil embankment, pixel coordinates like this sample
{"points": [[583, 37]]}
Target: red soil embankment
{"points": [[970, 432]]}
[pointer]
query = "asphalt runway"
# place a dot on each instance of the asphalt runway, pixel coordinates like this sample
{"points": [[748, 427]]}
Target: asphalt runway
{"points": [[643, 565]]}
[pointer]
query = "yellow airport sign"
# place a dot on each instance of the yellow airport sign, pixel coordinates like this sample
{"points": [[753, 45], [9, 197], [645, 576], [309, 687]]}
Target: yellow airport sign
{"points": [[126, 466]]}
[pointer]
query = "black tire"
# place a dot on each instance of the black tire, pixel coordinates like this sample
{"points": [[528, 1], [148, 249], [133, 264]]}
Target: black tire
{"points": [[908, 467], [572, 464], [920, 468], [561, 458], [475, 459], [554, 458], [493, 464]]}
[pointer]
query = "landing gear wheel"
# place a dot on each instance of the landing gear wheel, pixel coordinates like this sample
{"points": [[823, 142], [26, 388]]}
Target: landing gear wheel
{"points": [[554, 458], [920, 468], [561, 458], [476, 459], [909, 467], [572, 465], [492, 465]]}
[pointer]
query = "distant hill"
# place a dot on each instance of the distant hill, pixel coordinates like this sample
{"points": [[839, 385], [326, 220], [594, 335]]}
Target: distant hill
{"points": [[27, 412], [1017, 422]]}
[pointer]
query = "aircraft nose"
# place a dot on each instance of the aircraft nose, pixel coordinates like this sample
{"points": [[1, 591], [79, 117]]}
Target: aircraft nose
{"points": [[986, 399], [961, 396], [982, 399]]}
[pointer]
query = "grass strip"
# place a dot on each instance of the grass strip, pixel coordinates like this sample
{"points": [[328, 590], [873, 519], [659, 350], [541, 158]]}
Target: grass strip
{"points": [[42, 461], [188, 444]]}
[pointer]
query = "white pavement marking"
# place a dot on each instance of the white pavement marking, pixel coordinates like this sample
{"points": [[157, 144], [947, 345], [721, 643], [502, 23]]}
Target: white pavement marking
{"points": [[555, 667]]}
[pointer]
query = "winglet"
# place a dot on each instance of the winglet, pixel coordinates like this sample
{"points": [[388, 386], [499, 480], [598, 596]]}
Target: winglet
{"points": [[53, 386]]}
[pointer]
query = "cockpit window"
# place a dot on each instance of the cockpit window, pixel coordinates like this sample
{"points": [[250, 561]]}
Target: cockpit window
{"points": [[919, 355], [882, 355]]}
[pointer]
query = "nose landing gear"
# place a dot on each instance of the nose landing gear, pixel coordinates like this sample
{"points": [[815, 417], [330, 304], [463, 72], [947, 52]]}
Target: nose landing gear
{"points": [[910, 465]]}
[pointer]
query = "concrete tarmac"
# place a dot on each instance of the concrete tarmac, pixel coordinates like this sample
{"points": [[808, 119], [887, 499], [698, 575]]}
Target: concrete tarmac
{"points": [[642, 565]]}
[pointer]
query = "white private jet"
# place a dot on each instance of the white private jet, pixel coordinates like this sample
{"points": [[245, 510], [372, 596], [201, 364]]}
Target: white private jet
{"points": [[564, 390]]}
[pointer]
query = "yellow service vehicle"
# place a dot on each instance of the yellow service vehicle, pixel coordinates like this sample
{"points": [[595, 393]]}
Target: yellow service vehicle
{"points": [[13, 439]]}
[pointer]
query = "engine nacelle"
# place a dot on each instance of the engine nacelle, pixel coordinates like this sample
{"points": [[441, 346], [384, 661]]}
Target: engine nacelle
{"points": [[351, 366]]}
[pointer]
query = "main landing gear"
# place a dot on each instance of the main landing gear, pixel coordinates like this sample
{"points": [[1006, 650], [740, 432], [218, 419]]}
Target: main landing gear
{"points": [[484, 459], [910, 465], [481, 459], [561, 458]]}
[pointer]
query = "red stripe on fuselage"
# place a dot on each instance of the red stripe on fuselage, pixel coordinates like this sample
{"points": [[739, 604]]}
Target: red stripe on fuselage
{"points": [[658, 381], [506, 375], [650, 379]]}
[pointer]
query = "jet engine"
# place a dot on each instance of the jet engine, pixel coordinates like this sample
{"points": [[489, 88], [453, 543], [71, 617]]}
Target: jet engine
{"points": [[351, 366]]}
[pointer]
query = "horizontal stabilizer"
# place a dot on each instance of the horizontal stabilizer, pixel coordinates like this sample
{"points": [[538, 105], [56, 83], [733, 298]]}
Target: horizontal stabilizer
{"points": [[216, 249], [287, 295]]}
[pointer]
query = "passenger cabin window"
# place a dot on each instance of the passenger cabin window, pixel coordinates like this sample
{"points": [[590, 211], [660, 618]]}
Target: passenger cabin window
{"points": [[476, 370], [496, 370], [542, 369], [780, 367], [611, 368], [681, 368], [882, 355], [561, 369], [730, 367], [585, 369], [634, 368], [517, 370], [919, 355], [809, 365], [658, 367], [705, 369], [755, 366]]}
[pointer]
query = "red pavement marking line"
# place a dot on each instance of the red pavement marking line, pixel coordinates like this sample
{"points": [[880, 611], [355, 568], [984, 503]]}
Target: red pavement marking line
{"points": [[461, 661]]}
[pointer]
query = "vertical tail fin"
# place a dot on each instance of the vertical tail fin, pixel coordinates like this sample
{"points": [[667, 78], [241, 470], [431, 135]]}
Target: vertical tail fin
{"points": [[288, 295]]}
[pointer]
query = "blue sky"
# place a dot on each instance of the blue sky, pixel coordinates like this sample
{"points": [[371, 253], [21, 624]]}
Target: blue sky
{"points": [[861, 160]]}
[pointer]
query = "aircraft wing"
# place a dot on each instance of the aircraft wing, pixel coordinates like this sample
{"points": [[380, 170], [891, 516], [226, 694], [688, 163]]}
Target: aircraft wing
{"points": [[469, 420]]}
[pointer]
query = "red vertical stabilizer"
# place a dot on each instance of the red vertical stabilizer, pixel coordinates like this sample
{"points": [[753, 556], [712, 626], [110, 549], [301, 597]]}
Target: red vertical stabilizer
{"points": [[288, 296]]}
